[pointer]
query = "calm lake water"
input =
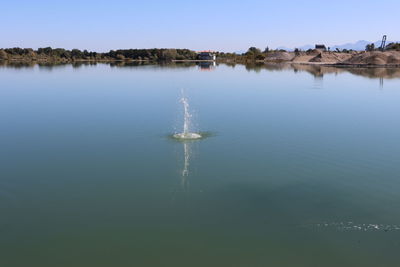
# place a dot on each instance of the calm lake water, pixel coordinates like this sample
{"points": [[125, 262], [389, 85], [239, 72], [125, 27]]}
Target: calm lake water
{"points": [[300, 167]]}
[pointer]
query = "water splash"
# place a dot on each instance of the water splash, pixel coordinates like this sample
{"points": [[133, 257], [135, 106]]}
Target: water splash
{"points": [[187, 123]]}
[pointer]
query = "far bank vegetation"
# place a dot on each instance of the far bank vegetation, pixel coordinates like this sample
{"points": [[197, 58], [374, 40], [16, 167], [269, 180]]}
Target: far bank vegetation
{"points": [[49, 54], [371, 55]]}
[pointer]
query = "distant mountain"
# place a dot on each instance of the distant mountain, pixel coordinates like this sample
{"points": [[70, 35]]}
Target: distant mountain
{"points": [[359, 45], [240, 52], [284, 48], [304, 47]]}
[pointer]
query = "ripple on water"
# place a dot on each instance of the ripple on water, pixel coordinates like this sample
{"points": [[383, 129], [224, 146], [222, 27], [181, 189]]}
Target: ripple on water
{"points": [[187, 136], [351, 226], [195, 137]]}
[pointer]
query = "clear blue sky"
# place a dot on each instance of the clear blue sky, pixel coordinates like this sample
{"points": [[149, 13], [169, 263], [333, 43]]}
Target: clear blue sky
{"points": [[216, 25]]}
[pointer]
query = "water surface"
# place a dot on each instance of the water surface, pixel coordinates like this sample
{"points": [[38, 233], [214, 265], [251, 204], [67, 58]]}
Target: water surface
{"points": [[300, 166]]}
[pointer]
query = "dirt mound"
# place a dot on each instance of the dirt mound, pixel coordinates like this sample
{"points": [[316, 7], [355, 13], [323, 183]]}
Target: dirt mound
{"points": [[306, 56], [279, 56], [315, 56], [303, 57], [330, 58], [353, 58], [375, 58], [313, 52], [394, 59]]}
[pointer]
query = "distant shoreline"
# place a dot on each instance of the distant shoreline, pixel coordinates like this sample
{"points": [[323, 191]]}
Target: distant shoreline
{"points": [[348, 58], [326, 64]]}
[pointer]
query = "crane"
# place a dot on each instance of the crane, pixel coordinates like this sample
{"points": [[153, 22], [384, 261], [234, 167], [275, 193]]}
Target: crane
{"points": [[383, 43]]}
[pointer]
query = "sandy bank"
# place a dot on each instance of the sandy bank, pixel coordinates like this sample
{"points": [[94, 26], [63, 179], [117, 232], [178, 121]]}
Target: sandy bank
{"points": [[375, 58]]}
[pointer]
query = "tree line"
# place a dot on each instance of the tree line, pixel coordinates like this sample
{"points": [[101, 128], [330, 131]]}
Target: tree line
{"points": [[61, 54]]}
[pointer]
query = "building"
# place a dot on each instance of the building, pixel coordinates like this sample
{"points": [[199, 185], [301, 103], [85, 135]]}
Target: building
{"points": [[320, 47], [206, 55]]}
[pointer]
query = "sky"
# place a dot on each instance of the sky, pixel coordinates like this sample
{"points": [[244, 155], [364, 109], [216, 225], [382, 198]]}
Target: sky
{"points": [[197, 25]]}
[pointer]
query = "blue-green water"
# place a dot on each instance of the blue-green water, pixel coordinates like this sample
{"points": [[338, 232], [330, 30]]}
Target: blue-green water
{"points": [[300, 168]]}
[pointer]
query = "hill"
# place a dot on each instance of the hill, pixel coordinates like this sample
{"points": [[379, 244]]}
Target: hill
{"points": [[355, 58]]}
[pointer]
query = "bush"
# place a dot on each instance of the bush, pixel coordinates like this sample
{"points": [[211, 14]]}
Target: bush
{"points": [[393, 46], [3, 55], [370, 47], [120, 57]]}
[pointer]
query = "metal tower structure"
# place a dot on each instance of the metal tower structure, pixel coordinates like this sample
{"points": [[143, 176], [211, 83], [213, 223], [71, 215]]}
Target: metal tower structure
{"points": [[383, 44]]}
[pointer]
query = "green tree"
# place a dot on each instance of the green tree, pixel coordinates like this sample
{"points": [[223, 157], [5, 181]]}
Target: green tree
{"points": [[253, 51], [120, 57], [76, 53], [169, 54], [393, 46], [47, 51]]}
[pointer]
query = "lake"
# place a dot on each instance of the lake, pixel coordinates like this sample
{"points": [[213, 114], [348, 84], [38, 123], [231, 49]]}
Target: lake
{"points": [[300, 166]]}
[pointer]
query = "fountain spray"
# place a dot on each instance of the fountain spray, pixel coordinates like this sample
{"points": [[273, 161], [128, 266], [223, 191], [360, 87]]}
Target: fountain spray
{"points": [[186, 134]]}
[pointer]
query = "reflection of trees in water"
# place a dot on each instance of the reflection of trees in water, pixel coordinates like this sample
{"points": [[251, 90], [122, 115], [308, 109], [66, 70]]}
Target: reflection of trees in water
{"points": [[315, 70], [45, 65], [257, 67], [78, 64], [160, 64], [17, 65]]}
